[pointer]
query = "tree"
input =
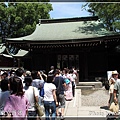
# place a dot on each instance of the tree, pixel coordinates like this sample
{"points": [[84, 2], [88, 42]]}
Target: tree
{"points": [[21, 18], [3, 21], [109, 13]]}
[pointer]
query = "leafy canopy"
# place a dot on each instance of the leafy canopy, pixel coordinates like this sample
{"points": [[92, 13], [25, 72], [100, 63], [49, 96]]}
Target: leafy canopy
{"points": [[20, 19], [109, 13]]}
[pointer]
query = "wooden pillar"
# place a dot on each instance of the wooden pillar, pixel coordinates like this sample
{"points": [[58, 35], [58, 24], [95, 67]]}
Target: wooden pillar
{"points": [[81, 67], [77, 81], [85, 66], [18, 62], [47, 62]]}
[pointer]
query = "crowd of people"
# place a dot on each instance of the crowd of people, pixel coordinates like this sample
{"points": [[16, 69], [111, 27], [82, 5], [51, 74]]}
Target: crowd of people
{"points": [[20, 89]]}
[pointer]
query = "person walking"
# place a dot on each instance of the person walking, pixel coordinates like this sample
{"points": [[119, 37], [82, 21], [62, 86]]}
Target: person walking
{"points": [[113, 79], [73, 79], [4, 94], [17, 104], [117, 90], [50, 99], [60, 85], [32, 94], [37, 82], [37, 79], [114, 76], [111, 91], [19, 73], [68, 89], [52, 71]]}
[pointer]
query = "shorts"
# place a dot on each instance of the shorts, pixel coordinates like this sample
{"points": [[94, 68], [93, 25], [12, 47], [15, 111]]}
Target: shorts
{"points": [[61, 100]]}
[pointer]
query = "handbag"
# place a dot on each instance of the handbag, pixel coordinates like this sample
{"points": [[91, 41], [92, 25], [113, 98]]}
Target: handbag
{"points": [[37, 106], [114, 107]]}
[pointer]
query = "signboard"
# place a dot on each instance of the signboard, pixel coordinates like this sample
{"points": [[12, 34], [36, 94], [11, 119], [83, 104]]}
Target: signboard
{"points": [[109, 74]]}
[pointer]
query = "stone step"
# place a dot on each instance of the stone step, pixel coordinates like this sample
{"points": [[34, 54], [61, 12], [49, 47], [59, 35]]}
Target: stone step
{"points": [[93, 84], [84, 87]]}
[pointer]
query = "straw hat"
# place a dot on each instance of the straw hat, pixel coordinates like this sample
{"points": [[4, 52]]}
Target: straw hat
{"points": [[114, 72], [28, 73]]}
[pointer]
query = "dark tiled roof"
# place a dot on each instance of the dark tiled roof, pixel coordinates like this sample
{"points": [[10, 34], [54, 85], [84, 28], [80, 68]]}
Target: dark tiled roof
{"points": [[66, 29]]}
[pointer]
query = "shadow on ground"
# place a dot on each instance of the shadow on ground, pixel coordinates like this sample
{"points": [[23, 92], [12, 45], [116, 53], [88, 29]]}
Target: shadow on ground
{"points": [[87, 92], [104, 107]]}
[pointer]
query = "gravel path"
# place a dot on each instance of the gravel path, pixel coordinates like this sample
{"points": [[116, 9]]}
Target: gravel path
{"points": [[95, 98]]}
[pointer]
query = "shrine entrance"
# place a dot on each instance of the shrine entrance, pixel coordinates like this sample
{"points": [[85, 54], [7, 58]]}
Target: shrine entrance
{"points": [[67, 61]]}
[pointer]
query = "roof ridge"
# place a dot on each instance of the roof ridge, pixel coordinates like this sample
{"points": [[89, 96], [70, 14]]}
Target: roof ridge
{"points": [[45, 21]]}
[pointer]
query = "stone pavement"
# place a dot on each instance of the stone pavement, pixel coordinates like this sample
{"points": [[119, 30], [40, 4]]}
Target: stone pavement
{"points": [[75, 109]]}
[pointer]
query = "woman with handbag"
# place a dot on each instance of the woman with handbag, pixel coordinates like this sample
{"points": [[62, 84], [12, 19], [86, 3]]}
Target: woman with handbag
{"points": [[32, 95], [112, 81], [50, 100]]}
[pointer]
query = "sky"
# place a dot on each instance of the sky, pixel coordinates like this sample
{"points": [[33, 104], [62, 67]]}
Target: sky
{"points": [[68, 10]]}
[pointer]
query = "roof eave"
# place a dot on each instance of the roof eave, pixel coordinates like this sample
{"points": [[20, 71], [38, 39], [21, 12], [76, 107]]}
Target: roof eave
{"points": [[63, 41]]}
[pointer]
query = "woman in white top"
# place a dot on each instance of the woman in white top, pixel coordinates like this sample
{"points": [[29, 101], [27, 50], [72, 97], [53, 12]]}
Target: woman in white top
{"points": [[30, 96], [50, 100], [112, 81]]}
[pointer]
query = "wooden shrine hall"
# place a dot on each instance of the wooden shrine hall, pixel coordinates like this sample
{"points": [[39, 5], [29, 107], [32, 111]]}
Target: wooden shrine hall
{"points": [[82, 43]]}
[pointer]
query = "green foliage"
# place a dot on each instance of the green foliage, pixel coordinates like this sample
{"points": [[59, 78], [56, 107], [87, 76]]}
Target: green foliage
{"points": [[109, 13], [21, 18], [117, 25], [2, 11]]}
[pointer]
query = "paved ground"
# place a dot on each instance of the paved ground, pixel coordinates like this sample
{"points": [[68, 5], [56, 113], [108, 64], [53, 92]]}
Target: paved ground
{"points": [[75, 109], [87, 107]]}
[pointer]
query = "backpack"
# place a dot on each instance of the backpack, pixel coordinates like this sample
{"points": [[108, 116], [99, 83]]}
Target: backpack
{"points": [[42, 91], [107, 86], [67, 81], [58, 90]]}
